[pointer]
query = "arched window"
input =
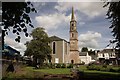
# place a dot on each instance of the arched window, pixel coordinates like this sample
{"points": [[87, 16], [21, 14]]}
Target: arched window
{"points": [[53, 47], [72, 24], [72, 35]]}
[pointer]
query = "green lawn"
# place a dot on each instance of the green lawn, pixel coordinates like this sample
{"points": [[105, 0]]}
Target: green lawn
{"points": [[67, 70], [51, 71], [55, 71], [31, 72]]}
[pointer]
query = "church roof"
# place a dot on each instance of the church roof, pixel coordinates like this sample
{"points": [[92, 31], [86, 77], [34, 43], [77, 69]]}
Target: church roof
{"points": [[55, 38]]}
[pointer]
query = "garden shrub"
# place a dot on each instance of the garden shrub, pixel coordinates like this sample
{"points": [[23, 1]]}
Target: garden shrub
{"points": [[63, 66], [118, 70], [91, 67], [104, 66], [58, 65], [70, 66], [104, 69], [112, 70]]}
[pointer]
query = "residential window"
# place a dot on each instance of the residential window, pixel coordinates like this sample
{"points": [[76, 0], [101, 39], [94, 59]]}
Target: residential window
{"points": [[103, 55], [54, 47]]}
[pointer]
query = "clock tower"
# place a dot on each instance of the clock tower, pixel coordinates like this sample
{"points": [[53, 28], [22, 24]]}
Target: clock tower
{"points": [[74, 52]]}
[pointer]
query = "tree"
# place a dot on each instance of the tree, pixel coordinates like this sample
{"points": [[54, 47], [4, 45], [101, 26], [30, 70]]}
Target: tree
{"points": [[15, 17], [91, 52], [39, 46], [113, 14], [84, 49]]}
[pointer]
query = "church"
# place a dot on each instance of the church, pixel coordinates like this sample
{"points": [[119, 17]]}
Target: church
{"points": [[64, 51]]}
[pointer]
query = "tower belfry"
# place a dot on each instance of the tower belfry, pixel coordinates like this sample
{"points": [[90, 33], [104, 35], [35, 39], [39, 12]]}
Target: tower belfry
{"points": [[74, 52]]}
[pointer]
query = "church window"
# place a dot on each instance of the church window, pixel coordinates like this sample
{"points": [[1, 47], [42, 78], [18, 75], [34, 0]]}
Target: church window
{"points": [[53, 47], [72, 35], [72, 24]]}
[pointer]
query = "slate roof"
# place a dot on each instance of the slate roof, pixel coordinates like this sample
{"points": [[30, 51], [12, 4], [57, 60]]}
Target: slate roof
{"points": [[106, 51], [83, 54], [55, 38], [12, 51]]}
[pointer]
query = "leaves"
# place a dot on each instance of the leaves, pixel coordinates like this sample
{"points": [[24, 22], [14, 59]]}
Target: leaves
{"points": [[15, 16], [38, 46], [113, 14], [14, 31], [26, 34], [28, 10]]}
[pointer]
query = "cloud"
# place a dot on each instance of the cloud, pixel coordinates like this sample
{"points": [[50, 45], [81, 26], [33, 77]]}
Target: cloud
{"points": [[18, 46], [89, 39], [52, 21], [91, 9]]}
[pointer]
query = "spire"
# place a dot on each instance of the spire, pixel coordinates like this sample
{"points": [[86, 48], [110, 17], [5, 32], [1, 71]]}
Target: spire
{"points": [[72, 17]]}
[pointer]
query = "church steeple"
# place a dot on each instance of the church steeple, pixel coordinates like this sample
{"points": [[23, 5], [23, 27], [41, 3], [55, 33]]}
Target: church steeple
{"points": [[72, 17], [74, 52]]}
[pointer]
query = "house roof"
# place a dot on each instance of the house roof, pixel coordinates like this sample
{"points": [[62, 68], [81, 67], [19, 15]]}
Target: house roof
{"points": [[107, 51], [12, 50], [83, 53], [55, 38]]}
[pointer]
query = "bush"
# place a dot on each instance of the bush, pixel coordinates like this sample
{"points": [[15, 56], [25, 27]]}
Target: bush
{"points": [[58, 65], [63, 66], [118, 70], [70, 66], [94, 67], [104, 66], [112, 70], [104, 69]]}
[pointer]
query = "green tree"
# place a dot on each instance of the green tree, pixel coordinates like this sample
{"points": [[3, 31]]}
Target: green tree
{"points": [[39, 46], [91, 52], [113, 14], [84, 49], [15, 17]]}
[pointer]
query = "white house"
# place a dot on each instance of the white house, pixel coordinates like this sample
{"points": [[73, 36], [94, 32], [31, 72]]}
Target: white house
{"points": [[107, 55], [84, 57]]}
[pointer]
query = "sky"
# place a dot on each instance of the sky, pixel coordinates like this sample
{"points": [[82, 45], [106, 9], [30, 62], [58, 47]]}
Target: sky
{"points": [[92, 25]]}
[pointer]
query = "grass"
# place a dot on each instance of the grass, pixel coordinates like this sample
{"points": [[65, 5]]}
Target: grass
{"points": [[55, 71], [30, 72], [51, 71]]}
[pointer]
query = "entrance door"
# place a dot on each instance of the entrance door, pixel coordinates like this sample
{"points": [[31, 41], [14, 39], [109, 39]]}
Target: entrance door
{"points": [[72, 61]]}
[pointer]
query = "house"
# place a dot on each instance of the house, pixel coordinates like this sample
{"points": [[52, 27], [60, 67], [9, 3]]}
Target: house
{"points": [[85, 57], [9, 52], [60, 50], [107, 56]]}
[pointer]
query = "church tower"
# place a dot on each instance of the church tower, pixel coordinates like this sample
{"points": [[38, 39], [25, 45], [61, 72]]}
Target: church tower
{"points": [[74, 52]]}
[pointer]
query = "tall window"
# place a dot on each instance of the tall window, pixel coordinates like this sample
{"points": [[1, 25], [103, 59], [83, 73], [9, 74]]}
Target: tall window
{"points": [[72, 24], [53, 47], [72, 35]]}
